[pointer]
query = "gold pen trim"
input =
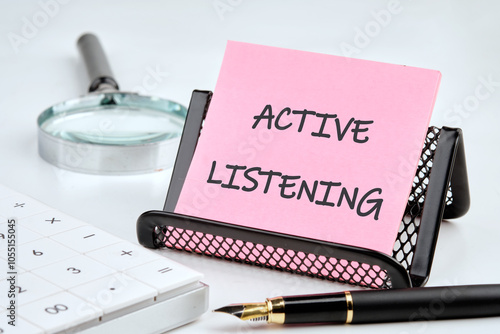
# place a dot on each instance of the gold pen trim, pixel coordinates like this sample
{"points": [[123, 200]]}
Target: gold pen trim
{"points": [[276, 310], [350, 307]]}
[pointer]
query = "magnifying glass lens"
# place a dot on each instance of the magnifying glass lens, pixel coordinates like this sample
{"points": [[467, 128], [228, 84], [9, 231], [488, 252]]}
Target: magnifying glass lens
{"points": [[111, 133], [114, 119]]}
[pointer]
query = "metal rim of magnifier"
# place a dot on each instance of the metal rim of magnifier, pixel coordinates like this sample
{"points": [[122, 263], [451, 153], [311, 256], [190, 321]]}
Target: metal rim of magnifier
{"points": [[98, 149], [96, 152]]}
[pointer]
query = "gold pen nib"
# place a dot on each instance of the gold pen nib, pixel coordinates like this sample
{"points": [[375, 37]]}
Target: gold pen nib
{"points": [[272, 311], [248, 311]]}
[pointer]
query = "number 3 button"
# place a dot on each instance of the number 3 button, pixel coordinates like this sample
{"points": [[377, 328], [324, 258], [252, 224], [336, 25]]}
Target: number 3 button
{"points": [[73, 271]]}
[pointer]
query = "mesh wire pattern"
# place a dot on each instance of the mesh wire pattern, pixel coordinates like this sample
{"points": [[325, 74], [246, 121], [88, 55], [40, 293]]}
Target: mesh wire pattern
{"points": [[310, 264]]}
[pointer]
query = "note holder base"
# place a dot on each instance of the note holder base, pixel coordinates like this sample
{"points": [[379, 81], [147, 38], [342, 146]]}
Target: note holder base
{"points": [[440, 191]]}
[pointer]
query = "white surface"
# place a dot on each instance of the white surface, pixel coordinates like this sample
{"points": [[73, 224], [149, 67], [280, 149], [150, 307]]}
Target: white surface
{"points": [[169, 48]]}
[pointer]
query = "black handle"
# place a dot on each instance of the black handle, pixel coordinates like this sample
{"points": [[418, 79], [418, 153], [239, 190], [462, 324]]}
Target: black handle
{"points": [[101, 77]]}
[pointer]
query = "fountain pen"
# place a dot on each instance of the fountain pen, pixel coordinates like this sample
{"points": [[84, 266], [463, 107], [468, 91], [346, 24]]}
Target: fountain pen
{"points": [[370, 306]]}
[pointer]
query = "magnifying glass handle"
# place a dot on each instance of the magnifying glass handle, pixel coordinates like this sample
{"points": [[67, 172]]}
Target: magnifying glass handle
{"points": [[101, 78]]}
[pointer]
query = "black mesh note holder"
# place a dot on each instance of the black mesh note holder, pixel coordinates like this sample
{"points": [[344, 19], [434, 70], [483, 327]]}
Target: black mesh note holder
{"points": [[440, 191]]}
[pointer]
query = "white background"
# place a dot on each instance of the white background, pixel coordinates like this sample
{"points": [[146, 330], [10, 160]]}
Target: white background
{"points": [[183, 43]]}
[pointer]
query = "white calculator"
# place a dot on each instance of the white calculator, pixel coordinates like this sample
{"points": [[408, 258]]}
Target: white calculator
{"points": [[67, 276]]}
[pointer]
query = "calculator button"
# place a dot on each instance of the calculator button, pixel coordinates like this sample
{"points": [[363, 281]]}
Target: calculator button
{"points": [[164, 275], [42, 252], [51, 222], [30, 288], [85, 239], [115, 292], [59, 312], [73, 271], [20, 206], [123, 255], [23, 235], [22, 326]]}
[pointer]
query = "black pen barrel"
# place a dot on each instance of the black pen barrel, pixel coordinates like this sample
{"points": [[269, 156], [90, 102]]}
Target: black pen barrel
{"points": [[432, 303], [320, 308]]}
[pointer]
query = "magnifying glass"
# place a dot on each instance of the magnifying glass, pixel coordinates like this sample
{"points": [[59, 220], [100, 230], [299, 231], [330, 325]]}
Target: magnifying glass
{"points": [[108, 131]]}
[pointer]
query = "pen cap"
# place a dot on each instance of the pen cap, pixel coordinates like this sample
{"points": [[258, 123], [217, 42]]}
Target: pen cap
{"points": [[420, 304]]}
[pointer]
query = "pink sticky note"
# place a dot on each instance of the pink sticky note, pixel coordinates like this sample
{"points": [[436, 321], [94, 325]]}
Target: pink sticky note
{"points": [[312, 145]]}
